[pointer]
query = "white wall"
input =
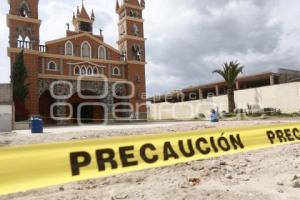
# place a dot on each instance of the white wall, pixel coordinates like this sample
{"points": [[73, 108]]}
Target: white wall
{"points": [[285, 97], [5, 118]]}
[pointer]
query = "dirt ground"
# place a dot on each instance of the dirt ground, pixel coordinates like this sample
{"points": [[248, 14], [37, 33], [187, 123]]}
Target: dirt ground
{"points": [[270, 174]]}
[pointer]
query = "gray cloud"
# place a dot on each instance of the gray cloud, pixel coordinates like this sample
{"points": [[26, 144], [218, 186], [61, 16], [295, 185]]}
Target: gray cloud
{"points": [[217, 31]]}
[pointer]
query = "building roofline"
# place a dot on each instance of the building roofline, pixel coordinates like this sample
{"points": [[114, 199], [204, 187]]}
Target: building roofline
{"points": [[80, 35], [240, 78], [216, 83]]}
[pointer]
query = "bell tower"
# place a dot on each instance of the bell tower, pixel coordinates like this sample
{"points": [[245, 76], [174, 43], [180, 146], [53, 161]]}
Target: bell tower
{"points": [[24, 24], [82, 21], [24, 33], [131, 29], [132, 48]]}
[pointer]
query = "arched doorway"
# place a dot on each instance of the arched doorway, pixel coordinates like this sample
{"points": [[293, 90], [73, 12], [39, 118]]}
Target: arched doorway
{"points": [[45, 102], [90, 114]]}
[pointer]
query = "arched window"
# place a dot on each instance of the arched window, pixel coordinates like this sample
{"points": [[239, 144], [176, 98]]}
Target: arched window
{"points": [[138, 78], [83, 70], [20, 38], [69, 48], [24, 9], [77, 70], [123, 53], [102, 52], [135, 30], [86, 50], [20, 42], [52, 66], [116, 71], [133, 13], [27, 43], [95, 71], [122, 30], [89, 71], [136, 52]]}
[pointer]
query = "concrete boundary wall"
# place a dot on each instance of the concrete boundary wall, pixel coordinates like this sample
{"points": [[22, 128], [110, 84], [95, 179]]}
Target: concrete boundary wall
{"points": [[5, 94], [6, 118], [285, 97], [6, 109]]}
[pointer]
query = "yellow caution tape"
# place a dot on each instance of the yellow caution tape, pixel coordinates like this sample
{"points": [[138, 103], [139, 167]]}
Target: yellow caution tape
{"points": [[35, 166]]}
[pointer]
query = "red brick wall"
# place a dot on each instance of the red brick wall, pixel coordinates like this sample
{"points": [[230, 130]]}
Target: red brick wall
{"points": [[59, 48], [130, 53], [15, 7], [140, 87], [130, 28]]}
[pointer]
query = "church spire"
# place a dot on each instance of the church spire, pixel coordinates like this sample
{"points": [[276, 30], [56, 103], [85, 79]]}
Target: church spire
{"points": [[77, 13], [143, 4], [82, 21], [117, 5], [83, 12], [93, 15]]}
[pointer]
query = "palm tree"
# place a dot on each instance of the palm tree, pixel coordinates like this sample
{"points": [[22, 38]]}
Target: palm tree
{"points": [[230, 73]]}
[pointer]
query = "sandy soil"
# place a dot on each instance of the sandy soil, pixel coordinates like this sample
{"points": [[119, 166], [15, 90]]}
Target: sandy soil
{"points": [[261, 175]]}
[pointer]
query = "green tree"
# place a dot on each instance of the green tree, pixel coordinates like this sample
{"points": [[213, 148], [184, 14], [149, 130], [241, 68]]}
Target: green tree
{"points": [[20, 88], [230, 72]]}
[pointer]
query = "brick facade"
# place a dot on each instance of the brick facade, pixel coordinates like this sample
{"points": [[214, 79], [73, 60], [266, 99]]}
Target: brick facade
{"points": [[80, 51]]}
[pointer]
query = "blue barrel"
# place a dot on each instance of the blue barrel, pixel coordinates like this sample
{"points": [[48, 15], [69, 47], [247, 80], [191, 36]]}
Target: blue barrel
{"points": [[37, 125]]}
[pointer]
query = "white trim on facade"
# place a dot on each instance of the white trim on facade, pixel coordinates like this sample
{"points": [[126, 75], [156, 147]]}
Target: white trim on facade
{"points": [[81, 51], [69, 42], [48, 66], [104, 57], [95, 69], [89, 71], [114, 70], [79, 70]]}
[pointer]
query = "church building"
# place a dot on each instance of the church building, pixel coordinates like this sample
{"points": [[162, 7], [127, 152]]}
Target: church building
{"points": [[80, 75]]}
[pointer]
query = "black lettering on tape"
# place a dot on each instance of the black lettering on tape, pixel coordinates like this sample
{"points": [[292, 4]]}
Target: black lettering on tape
{"points": [[236, 141], [223, 143], [190, 152], [144, 156], [271, 136], [288, 135], [280, 136], [106, 156], [169, 152], [125, 156], [296, 133], [213, 144], [199, 146], [76, 164]]}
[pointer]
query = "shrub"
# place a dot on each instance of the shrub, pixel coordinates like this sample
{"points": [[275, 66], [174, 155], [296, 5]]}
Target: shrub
{"points": [[201, 116], [228, 115]]}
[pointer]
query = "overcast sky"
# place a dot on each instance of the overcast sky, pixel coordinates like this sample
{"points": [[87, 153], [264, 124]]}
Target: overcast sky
{"points": [[188, 39]]}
